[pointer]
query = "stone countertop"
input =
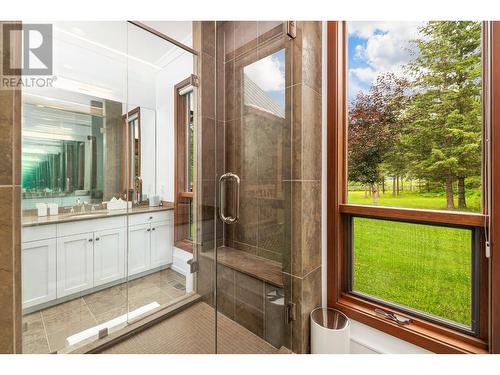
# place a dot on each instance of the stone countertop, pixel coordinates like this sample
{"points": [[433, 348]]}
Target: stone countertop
{"points": [[30, 221]]}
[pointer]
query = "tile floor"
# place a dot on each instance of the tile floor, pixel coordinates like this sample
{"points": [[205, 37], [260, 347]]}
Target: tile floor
{"points": [[46, 331]]}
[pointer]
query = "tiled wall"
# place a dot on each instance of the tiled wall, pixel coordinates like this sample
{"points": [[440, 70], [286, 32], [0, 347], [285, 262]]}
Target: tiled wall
{"points": [[10, 231], [257, 142], [303, 273]]}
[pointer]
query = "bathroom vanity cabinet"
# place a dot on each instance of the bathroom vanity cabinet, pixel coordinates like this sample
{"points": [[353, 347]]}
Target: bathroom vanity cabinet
{"points": [[64, 259]]}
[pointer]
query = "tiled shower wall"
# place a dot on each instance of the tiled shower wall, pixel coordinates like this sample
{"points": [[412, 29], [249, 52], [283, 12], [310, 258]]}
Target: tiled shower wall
{"points": [[10, 201]]}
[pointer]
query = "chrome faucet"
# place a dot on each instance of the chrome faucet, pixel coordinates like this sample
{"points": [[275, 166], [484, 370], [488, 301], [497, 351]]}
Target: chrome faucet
{"points": [[138, 189]]}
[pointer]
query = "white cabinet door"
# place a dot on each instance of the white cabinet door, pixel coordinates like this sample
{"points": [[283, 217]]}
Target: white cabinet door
{"points": [[109, 255], [139, 249], [161, 243], [38, 262], [75, 264]]}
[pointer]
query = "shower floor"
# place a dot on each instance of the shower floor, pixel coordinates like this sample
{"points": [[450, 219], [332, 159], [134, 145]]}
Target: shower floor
{"points": [[191, 331], [46, 331]]}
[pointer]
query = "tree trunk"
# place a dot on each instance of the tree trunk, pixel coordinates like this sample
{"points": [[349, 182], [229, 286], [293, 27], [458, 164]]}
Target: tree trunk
{"points": [[366, 192], [383, 185], [461, 193], [397, 185], [375, 194], [449, 193], [394, 186], [402, 183]]}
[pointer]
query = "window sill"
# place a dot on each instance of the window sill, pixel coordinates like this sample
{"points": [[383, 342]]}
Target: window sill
{"points": [[426, 335]]}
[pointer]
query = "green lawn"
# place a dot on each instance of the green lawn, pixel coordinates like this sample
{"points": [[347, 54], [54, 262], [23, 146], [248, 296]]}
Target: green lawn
{"points": [[423, 267], [435, 201], [419, 266]]}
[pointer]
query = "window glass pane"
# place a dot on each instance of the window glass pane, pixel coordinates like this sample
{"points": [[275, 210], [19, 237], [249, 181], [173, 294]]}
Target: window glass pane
{"points": [[421, 267], [415, 114]]}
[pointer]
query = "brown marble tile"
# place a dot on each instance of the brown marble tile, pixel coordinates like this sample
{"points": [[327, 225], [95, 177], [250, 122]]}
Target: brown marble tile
{"points": [[296, 229], [111, 314], [104, 300], [77, 304], [275, 324], [249, 290], [6, 129], [38, 345], [7, 341], [225, 290], [208, 149], [208, 37], [205, 278], [311, 134], [33, 327], [311, 55], [207, 86], [305, 227], [57, 339], [228, 35], [245, 229], [271, 223], [153, 294], [232, 146], [311, 226], [231, 111], [295, 93], [269, 29], [70, 318], [245, 37], [250, 317], [197, 35], [248, 154]]}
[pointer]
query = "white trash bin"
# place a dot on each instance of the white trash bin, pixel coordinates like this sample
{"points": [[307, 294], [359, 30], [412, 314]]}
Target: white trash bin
{"points": [[330, 331]]}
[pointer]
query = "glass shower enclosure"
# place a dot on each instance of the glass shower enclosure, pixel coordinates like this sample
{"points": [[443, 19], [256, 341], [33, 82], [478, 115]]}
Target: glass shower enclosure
{"points": [[154, 208]]}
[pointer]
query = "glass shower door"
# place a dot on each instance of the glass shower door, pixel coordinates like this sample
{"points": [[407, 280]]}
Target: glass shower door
{"points": [[254, 190]]}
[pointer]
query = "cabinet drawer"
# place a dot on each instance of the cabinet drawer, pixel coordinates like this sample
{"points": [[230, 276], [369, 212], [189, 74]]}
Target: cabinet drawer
{"points": [[36, 233], [87, 226], [151, 217]]}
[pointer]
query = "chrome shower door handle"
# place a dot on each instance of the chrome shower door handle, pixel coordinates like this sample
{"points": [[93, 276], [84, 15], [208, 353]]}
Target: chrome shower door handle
{"points": [[222, 198]]}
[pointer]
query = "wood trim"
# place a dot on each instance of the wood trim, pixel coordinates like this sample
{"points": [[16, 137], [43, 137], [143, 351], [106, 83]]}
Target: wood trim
{"points": [[423, 333], [182, 198], [495, 188], [424, 216], [125, 165]]}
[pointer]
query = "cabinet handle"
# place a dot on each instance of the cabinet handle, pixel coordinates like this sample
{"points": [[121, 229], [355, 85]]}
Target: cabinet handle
{"points": [[148, 229], [90, 239], [151, 218], [97, 239], [153, 229]]}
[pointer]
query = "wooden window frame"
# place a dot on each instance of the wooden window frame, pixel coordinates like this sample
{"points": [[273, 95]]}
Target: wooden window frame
{"points": [[182, 198], [421, 332], [127, 185]]}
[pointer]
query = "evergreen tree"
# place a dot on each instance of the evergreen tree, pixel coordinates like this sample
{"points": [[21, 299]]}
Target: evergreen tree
{"points": [[443, 133]]}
